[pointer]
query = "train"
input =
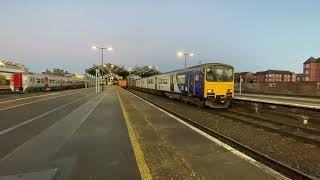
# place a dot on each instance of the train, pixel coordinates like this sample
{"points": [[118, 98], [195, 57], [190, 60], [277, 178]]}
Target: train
{"points": [[122, 83], [210, 84], [27, 82]]}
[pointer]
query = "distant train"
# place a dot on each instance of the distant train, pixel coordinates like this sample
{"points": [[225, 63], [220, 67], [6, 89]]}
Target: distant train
{"points": [[25, 82], [211, 84], [122, 83]]}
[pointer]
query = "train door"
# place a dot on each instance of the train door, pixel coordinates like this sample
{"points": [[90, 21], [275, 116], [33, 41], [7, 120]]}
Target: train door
{"points": [[198, 84], [147, 83], [46, 83], [171, 83], [156, 83], [17, 81], [191, 83], [61, 83]]}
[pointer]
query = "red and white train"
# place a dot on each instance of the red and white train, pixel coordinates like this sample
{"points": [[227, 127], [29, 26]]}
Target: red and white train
{"points": [[25, 82]]}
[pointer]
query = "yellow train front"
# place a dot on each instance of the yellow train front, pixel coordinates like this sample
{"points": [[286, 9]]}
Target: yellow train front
{"points": [[218, 85]]}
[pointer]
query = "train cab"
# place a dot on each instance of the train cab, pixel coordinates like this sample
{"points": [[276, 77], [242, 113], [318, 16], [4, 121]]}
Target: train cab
{"points": [[218, 84]]}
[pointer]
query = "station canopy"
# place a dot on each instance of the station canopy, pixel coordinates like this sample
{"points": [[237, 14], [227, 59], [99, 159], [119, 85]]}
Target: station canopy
{"points": [[145, 71], [109, 70], [118, 71]]}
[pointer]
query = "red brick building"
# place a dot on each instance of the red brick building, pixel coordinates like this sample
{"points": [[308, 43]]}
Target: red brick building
{"points": [[311, 69], [247, 77], [274, 76], [299, 77]]}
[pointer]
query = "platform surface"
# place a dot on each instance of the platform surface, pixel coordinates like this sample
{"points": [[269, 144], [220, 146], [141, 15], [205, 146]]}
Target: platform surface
{"points": [[81, 135], [174, 151], [88, 142]]}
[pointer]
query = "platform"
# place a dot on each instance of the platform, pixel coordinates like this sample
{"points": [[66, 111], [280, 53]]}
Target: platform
{"points": [[111, 135], [173, 150], [301, 102], [89, 142]]}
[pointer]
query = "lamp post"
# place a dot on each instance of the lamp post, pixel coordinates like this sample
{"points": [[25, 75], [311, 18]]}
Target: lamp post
{"points": [[102, 50], [185, 54]]}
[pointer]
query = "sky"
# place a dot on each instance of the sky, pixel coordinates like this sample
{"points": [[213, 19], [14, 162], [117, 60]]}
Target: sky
{"points": [[251, 35]]}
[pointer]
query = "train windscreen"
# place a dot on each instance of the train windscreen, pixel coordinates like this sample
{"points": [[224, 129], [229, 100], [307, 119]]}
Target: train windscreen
{"points": [[219, 73]]}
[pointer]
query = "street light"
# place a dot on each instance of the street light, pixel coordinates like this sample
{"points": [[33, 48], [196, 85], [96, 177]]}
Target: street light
{"points": [[102, 50], [185, 54], [109, 49]]}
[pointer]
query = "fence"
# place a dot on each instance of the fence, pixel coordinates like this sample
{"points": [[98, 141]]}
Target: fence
{"points": [[285, 88]]}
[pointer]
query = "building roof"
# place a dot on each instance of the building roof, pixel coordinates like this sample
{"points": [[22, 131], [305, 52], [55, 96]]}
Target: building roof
{"points": [[312, 60], [270, 71], [243, 73]]}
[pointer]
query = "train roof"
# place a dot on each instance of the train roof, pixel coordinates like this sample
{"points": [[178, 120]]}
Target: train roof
{"points": [[192, 67]]}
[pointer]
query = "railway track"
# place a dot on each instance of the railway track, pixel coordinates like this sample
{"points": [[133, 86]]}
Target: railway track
{"points": [[307, 135], [264, 159]]}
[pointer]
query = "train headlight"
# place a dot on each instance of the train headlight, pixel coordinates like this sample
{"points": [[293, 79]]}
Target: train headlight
{"points": [[229, 91], [210, 91]]}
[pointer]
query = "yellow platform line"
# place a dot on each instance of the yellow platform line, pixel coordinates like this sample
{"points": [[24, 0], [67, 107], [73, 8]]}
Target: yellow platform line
{"points": [[142, 165]]}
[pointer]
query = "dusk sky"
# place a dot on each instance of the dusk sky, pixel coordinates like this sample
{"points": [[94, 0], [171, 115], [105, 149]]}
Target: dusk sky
{"points": [[251, 35]]}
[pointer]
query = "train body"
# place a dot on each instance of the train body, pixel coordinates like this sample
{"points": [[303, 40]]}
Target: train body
{"points": [[25, 82], [211, 83], [122, 83]]}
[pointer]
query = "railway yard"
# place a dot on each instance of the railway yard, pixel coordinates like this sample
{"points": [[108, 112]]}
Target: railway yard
{"points": [[130, 134]]}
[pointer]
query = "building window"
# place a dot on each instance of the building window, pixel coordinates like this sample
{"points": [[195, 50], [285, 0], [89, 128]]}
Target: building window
{"points": [[306, 78], [307, 72], [307, 65]]}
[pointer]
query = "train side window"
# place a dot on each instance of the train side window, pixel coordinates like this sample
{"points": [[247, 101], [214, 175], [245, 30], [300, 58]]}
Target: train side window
{"points": [[165, 80], [197, 77], [181, 79]]}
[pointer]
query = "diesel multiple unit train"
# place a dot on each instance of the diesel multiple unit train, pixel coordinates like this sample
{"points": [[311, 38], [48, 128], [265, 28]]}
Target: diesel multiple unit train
{"points": [[25, 82], [211, 84]]}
